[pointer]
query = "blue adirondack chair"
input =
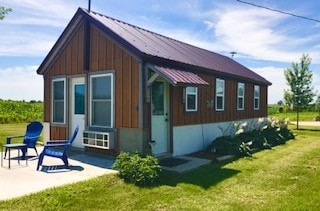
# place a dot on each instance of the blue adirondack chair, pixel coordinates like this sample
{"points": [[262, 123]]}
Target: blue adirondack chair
{"points": [[30, 138], [57, 149]]}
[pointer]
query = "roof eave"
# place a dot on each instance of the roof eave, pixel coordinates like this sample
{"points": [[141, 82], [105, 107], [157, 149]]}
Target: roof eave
{"points": [[64, 37], [199, 70], [80, 16]]}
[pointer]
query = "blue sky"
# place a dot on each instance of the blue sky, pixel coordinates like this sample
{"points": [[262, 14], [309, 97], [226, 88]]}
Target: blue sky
{"points": [[266, 42]]}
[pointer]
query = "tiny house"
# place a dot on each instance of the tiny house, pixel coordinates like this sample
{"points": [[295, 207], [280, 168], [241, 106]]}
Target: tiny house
{"points": [[129, 88]]}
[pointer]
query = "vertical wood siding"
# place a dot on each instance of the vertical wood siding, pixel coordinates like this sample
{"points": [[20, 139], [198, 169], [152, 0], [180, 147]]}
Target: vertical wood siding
{"points": [[206, 104], [104, 55], [107, 55]]}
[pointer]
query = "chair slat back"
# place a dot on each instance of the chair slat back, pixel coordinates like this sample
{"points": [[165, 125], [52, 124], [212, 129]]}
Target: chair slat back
{"points": [[32, 134], [73, 137]]}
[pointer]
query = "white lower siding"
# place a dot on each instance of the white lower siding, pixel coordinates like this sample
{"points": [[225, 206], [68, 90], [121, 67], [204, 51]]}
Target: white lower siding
{"points": [[46, 132], [193, 138]]}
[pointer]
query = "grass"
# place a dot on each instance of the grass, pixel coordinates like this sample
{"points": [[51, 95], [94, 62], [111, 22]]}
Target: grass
{"points": [[273, 110], [12, 130], [283, 178], [16, 129]]}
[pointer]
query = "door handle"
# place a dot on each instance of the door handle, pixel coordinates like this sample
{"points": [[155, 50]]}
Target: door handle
{"points": [[166, 119]]}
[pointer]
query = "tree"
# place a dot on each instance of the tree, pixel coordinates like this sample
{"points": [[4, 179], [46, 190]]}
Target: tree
{"points": [[317, 107], [4, 11], [299, 78]]}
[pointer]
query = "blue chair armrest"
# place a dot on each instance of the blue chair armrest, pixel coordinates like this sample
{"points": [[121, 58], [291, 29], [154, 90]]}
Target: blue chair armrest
{"points": [[53, 145], [56, 142], [11, 137]]}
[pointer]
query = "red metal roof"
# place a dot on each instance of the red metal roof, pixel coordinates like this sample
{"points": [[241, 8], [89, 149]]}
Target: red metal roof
{"points": [[157, 45], [179, 77], [149, 46]]}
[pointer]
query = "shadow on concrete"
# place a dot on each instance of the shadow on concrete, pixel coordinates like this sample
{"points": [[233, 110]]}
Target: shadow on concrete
{"points": [[60, 168], [94, 160], [204, 177]]}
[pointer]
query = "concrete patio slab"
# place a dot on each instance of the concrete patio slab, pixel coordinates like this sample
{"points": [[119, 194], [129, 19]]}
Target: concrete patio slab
{"points": [[21, 179], [192, 163]]}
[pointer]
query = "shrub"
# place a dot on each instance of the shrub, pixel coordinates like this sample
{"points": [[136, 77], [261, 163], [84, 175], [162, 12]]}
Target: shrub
{"points": [[243, 137], [137, 169]]}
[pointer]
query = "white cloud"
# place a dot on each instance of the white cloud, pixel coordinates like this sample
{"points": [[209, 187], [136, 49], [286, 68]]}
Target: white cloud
{"points": [[21, 83], [33, 26], [279, 83], [276, 77], [37, 11], [252, 32], [30, 44]]}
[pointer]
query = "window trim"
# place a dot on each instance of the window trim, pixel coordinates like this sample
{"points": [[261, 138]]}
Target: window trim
{"points": [[239, 96], [196, 99], [220, 95], [64, 99], [112, 99], [256, 97]]}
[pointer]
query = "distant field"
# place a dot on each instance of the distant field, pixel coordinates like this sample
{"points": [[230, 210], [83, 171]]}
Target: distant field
{"points": [[273, 110], [20, 111]]}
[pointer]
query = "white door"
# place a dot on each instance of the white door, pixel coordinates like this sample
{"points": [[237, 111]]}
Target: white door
{"points": [[159, 118], [78, 109]]}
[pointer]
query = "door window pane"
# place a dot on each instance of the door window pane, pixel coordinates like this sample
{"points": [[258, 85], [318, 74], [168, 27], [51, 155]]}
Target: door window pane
{"points": [[157, 98], [79, 99]]}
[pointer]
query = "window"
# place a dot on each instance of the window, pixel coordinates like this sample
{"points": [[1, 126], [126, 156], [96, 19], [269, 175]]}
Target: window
{"points": [[157, 98], [101, 98], [240, 99], [79, 92], [191, 98], [256, 97], [219, 95], [58, 100]]}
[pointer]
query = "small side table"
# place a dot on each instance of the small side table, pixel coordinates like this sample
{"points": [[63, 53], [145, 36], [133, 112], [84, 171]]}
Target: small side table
{"points": [[13, 146]]}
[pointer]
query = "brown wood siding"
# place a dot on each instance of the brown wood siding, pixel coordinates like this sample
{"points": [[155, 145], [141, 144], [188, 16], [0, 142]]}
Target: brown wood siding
{"points": [[107, 55], [58, 132], [69, 62], [206, 104], [104, 55]]}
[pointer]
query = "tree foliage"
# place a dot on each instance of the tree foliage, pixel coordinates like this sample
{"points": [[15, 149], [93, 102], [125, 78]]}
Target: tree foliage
{"points": [[299, 79], [4, 11], [20, 111]]}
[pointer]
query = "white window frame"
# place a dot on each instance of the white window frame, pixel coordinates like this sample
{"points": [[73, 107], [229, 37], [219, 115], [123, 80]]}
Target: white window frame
{"points": [[196, 99], [53, 101], [111, 100], [256, 90], [240, 107], [218, 80]]}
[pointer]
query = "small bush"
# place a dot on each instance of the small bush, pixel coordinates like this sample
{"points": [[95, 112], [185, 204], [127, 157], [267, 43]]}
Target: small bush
{"points": [[267, 133], [136, 169]]}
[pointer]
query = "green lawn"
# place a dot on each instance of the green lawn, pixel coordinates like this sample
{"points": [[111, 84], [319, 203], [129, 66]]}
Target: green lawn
{"points": [[12, 130], [283, 178]]}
